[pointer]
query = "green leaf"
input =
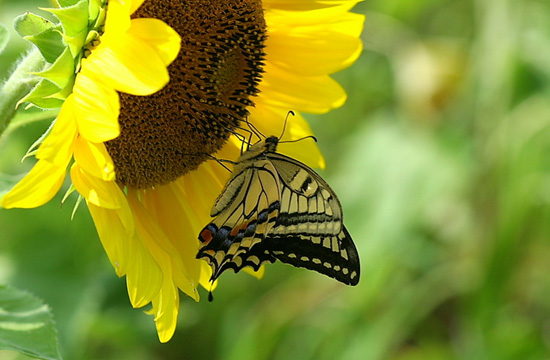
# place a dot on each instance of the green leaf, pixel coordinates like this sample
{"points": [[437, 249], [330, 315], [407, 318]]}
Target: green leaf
{"points": [[26, 325], [7, 182], [4, 37]]}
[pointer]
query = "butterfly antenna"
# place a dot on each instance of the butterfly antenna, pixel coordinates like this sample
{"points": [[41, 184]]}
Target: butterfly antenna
{"points": [[300, 139], [290, 112]]}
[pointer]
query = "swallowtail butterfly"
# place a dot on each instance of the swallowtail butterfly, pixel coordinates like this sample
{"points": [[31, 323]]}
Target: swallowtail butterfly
{"points": [[276, 208]]}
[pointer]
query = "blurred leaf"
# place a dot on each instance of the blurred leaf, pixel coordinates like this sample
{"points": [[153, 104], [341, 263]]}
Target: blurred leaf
{"points": [[26, 325], [7, 183], [4, 37], [31, 115]]}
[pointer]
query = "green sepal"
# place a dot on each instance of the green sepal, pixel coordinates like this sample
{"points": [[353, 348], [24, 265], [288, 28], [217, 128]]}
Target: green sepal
{"points": [[33, 149], [29, 24], [61, 71], [41, 95], [4, 37], [42, 33], [76, 205], [94, 9], [66, 91], [49, 42], [66, 3], [73, 18], [76, 43]]}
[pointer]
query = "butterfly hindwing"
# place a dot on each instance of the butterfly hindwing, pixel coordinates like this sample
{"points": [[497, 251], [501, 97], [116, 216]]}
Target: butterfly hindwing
{"points": [[276, 208], [334, 255], [308, 205]]}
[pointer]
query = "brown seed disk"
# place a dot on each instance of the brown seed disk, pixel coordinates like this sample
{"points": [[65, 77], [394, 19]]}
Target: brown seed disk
{"points": [[218, 69]]}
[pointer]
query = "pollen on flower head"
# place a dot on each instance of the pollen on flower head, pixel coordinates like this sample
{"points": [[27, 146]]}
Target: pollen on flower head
{"points": [[218, 69]]}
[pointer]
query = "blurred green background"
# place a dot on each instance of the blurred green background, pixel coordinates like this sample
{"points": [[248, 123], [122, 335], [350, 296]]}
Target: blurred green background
{"points": [[442, 165]]}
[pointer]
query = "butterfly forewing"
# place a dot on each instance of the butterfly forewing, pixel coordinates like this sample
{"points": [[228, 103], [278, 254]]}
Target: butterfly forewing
{"points": [[275, 207], [244, 213]]}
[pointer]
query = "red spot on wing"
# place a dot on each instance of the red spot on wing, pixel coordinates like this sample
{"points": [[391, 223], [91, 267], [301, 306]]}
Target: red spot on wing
{"points": [[205, 236], [236, 229]]}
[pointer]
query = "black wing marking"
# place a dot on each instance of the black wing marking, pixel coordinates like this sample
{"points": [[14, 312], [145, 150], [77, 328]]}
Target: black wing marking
{"points": [[334, 256]]}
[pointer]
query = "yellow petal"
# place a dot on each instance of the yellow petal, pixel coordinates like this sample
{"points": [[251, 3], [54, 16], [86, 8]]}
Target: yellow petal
{"points": [[312, 94], [257, 274], [350, 24], [305, 51], [160, 225], [203, 185], [94, 159], [144, 278], [302, 5], [37, 188], [337, 19], [270, 122], [135, 4], [172, 218], [96, 108], [121, 65], [58, 145], [206, 274], [164, 40], [118, 18], [101, 193], [165, 308], [115, 237]]}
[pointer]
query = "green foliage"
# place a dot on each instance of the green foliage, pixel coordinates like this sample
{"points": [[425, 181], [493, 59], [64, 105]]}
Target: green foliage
{"points": [[440, 159], [4, 37], [26, 325]]}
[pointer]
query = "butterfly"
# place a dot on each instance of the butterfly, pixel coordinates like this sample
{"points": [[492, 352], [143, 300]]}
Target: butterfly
{"points": [[274, 207]]}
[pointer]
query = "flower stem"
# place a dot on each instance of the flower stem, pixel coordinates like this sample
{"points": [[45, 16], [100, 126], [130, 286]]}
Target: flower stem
{"points": [[18, 85]]}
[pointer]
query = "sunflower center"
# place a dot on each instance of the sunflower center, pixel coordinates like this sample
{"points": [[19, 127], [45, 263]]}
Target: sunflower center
{"points": [[218, 69]]}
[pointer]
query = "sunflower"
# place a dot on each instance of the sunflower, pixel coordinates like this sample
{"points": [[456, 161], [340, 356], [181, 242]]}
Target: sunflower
{"points": [[142, 162]]}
